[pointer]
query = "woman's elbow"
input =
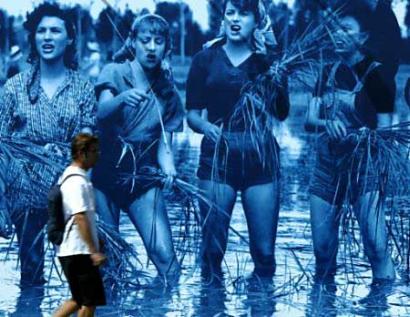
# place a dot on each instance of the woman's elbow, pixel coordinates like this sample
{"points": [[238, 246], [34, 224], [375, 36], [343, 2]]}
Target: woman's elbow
{"points": [[190, 118]]}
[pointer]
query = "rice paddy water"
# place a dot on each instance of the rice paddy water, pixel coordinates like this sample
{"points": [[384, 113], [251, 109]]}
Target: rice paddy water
{"points": [[293, 291]]}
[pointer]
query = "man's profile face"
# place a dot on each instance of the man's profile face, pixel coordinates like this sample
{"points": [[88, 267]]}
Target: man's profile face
{"points": [[90, 157]]}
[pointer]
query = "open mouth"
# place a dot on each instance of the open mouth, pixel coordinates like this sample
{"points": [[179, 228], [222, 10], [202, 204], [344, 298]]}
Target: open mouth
{"points": [[235, 28], [47, 47], [151, 58]]}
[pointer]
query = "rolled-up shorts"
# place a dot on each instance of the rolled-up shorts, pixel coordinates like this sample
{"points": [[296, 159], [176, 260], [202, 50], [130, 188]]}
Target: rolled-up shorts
{"points": [[124, 179], [239, 160], [334, 180], [84, 280]]}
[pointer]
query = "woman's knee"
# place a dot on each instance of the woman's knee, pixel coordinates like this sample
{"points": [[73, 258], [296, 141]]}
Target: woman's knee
{"points": [[264, 255], [265, 264], [162, 255]]}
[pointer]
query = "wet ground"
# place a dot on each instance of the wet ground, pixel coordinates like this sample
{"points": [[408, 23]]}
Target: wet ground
{"points": [[292, 293]]}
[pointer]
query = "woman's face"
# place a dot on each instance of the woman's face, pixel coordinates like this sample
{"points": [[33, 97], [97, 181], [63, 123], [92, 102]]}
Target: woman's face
{"points": [[51, 38], [149, 48], [239, 24], [349, 37]]}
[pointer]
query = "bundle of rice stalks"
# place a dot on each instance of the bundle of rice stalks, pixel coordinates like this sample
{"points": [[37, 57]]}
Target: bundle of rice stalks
{"points": [[15, 148], [378, 161], [121, 270], [383, 153], [27, 152], [265, 100], [123, 259], [184, 191]]}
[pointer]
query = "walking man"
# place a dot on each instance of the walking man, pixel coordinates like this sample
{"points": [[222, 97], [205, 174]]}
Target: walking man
{"points": [[79, 253]]}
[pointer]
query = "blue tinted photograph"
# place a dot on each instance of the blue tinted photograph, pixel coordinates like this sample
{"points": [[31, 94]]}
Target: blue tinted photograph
{"points": [[204, 158]]}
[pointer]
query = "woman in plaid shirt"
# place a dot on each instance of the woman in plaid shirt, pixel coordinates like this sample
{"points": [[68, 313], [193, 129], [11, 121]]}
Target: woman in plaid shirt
{"points": [[42, 108]]}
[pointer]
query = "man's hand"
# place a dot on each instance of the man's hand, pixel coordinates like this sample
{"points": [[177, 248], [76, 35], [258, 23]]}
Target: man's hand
{"points": [[98, 258]]}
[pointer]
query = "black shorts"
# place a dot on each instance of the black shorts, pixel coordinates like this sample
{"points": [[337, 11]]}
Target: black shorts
{"points": [[239, 160], [84, 280]]}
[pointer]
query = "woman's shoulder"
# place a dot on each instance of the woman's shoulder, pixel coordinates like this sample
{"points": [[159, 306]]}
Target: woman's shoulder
{"points": [[113, 73], [16, 85], [18, 80], [207, 54], [115, 67], [114, 70]]}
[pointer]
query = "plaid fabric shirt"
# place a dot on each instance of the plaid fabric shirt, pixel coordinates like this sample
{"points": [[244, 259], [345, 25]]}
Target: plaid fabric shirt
{"points": [[50, 125]]}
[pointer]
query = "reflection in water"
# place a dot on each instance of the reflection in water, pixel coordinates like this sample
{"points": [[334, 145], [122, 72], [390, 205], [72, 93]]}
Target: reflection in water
{"points": [[29, 302], [260, 297], [375, 303], [322, 299], [232, 295], [153, 299], [212, 297]]}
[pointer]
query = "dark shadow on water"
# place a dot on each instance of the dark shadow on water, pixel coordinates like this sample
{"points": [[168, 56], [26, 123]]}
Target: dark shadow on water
{"points": [[212, 296], [29, 302]]}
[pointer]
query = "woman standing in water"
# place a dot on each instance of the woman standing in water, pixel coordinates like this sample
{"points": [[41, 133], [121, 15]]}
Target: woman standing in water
{"points": [[45, 106], [138, 111], [350, 96], [238, 151]]}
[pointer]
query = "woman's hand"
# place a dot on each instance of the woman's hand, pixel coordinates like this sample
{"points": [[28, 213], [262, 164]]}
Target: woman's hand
{"points": [[336, 129], [133, 97], [212, 131], [168, 168]]}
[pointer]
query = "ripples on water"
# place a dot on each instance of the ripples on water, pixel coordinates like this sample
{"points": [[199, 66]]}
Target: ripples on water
{"points": [[292, 294]]}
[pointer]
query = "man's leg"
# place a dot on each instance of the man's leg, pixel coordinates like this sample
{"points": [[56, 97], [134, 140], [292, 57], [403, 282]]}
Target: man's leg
{"points": [[86, 311], [66, 309]]}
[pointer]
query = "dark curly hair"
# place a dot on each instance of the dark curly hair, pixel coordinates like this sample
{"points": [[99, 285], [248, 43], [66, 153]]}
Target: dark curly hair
{"points": [[249, 5], [32, 21]]}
